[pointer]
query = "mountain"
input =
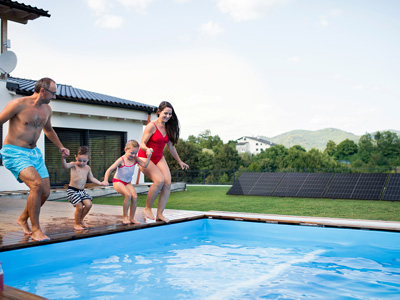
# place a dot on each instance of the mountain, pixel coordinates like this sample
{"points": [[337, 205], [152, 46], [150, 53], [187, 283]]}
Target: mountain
{"points": [[315, 139]]}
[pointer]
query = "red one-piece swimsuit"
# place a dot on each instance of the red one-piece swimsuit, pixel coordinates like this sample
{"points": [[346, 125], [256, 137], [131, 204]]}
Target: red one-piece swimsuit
{"points": [[157, 141]]}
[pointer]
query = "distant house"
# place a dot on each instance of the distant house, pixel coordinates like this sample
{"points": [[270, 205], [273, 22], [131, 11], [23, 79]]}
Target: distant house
{"points": [[80, 117], [252, 145]]}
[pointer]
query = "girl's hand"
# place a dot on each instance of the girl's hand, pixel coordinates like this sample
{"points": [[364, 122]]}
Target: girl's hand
{"points": [[183, 165], [105, 183]]}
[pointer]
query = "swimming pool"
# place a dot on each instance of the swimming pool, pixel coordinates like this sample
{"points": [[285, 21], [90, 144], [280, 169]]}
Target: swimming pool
{"points": [[213, 259]]}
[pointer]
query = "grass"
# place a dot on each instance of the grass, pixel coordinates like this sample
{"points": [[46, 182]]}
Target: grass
{"points": [[206, 198]]}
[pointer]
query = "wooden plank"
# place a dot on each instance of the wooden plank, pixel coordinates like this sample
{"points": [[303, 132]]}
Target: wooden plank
{"points": [[11, 293]]}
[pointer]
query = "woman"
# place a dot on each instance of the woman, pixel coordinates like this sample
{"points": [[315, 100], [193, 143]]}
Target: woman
{"points": [[164, 130]]}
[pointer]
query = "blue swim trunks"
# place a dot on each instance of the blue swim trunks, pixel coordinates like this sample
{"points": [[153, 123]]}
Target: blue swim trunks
{"points": [[17, 158]]}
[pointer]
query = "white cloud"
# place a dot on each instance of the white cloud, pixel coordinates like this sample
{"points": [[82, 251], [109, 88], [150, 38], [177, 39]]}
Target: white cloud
{"points": [[139, 5], [244, 10], [336, 12], [294, 60], [359, 87], [323, 21], [211, 28], [99, 6], [109, 22]]}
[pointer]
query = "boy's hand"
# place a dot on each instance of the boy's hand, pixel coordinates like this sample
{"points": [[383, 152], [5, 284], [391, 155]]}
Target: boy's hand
{"points": [[105, 183], [64, 152]]}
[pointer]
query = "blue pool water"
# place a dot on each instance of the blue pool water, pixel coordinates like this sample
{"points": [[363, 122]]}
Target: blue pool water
{"points": [[213, 259]]}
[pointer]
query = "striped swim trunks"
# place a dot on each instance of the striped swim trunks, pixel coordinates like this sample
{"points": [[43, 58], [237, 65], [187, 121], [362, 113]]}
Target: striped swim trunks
{"points": [[76, 195]]}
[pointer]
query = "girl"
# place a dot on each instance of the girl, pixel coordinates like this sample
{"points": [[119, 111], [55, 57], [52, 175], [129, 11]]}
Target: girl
{"points": [[125, 166], [164, 130]]}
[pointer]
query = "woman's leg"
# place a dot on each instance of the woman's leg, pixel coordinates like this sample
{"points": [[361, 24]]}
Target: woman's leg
{"points": [[165, 190], [155, 175], [123, 190]]}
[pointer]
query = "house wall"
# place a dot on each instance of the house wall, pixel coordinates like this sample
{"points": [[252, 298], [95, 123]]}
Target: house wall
{"points": [[252, 145], [78, 116]]}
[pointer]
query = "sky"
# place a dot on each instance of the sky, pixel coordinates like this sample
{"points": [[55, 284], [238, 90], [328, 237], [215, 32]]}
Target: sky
{"points": [[234, 67]]}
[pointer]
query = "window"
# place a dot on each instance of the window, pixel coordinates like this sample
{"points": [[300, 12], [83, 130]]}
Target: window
{"points": [[105, 148]]}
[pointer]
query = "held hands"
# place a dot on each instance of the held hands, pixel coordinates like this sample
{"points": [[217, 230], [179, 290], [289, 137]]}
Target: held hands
{"points": [[64, 152], [149, 152], [105, 183]]}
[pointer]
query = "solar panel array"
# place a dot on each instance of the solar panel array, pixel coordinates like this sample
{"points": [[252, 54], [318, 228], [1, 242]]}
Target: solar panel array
{"points": [[319, 185], [266, 184], [290, 185], [342, 186], [315, 185], [370, 186], [243, 185], [392, 191]]}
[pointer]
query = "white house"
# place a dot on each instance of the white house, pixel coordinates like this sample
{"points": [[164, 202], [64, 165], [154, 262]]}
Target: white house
{"points": [[102, 122], [252, 145], [80, 117]]}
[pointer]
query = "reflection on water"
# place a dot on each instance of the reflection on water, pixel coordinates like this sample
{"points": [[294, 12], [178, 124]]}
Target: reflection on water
{"points": [[213, 269]]}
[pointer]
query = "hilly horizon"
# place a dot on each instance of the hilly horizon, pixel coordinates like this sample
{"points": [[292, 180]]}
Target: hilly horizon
{"points": [[318, 139]]}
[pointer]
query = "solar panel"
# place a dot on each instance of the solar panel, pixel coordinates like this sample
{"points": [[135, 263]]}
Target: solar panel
{"points": [[369, 186], [245, 182], [314, 185], [342, 186], [392, 191], [290, 185], [266, 184]]}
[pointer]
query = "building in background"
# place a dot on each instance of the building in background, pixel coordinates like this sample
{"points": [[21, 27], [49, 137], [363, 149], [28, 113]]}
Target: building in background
{"points": [[252, 145]]}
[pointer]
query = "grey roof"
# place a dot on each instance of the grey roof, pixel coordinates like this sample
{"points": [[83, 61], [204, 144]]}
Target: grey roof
{"points": [[68, 93], [260, 140], [20, 12]]}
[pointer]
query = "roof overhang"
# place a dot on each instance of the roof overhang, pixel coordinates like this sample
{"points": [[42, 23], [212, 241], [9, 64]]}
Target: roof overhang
{"points": [[19, 12]]}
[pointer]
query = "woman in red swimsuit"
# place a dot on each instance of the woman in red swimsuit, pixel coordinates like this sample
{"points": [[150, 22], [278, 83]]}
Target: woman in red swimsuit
{"points": [[164, 130]]}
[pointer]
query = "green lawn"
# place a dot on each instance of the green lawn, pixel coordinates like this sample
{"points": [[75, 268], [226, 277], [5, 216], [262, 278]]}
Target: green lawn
{"points": [[206, 198]]}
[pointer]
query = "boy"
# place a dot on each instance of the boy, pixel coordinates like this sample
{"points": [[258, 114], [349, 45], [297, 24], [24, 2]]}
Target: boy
{"points": [[80, 172]]}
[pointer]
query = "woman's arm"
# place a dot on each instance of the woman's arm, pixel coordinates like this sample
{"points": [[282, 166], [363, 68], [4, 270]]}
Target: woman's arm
{"points": [[175, 155], [148, 132]]}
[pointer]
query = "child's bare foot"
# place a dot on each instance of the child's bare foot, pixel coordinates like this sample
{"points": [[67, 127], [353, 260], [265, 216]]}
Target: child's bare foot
{"points": [[147, 214], [125, 221], [84, 224], [162, 218], [25, 226], [133, 221], [38, 235], [79, 227]]}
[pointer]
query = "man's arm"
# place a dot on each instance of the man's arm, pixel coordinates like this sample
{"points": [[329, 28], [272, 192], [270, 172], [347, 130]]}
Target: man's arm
{"points": [[10, 110], [53, 137]]}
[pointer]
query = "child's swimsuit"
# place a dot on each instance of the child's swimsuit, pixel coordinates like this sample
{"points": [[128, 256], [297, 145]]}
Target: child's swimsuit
{"points": [[76, 195], [157, 141], [124, 173]]}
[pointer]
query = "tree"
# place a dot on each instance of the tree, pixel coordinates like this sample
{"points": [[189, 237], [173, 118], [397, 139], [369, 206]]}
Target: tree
{"points": [[366, 148], [388, 144], [188, 152], [330, 148], [346, 149]]}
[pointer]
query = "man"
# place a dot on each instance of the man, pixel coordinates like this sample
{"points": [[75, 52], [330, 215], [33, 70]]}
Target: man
{"points": [[27, 117]]}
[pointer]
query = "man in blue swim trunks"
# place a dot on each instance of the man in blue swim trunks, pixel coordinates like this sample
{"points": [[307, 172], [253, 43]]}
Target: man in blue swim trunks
{"points": [[27, 117]]}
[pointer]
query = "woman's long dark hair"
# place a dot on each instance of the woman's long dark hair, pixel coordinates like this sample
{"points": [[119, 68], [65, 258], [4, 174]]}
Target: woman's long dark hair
{"points": [[172, 126]]}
